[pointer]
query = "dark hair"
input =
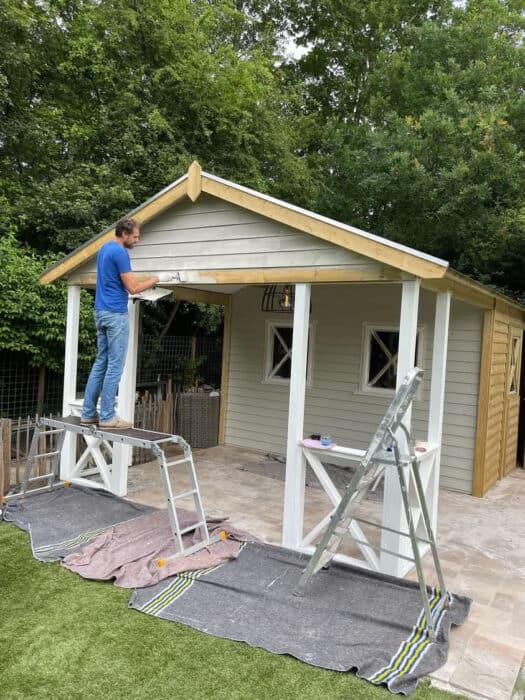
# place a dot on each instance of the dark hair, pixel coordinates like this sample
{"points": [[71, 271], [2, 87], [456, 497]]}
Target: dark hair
{"points": [[126, 225]]}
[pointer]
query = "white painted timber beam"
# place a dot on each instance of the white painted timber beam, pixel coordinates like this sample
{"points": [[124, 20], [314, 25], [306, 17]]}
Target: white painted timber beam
{"points": [[437, 397], [294, 485], [68, 457], [122, 454], [393, 512]]}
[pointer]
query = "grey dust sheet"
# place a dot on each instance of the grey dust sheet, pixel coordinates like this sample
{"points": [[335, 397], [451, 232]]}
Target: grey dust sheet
{"points": [[64, 520], [348, 619]]}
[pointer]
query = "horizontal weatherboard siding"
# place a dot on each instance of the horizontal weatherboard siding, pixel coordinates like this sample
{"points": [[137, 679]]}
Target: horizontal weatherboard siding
{"points": [[214, 235], [257, 412]]}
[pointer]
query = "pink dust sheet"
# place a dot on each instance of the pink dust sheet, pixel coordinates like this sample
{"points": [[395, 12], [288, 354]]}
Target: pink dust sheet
{"points": [[128, 552]]}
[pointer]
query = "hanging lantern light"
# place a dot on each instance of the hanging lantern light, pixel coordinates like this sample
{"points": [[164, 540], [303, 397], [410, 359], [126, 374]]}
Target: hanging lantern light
{"points": [[278, 298], [285, 299]]}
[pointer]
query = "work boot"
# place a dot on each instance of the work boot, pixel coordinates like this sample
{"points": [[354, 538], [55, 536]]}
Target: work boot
{"points": [[115, 423], [84, 420]]}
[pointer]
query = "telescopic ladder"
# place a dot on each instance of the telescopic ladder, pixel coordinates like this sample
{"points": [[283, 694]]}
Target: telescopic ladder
{"points": [[391, 447], [156, 442]]}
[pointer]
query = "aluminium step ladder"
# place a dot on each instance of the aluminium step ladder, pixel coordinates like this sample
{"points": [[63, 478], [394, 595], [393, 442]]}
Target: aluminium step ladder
{"points": [[154, 441], [386, 450]]}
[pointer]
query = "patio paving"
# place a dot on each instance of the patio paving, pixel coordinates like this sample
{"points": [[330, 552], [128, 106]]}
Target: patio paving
{"points": [[481, 546]]}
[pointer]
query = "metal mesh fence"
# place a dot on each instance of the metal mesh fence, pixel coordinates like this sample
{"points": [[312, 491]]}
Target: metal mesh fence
{"points": [[162, 359], [27, 390], [185, 360]]}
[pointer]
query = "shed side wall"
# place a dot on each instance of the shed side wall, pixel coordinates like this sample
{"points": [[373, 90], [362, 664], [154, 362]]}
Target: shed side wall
{"points": [[257, 411]]}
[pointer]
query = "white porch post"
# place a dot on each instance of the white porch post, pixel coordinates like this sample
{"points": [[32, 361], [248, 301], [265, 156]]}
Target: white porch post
{"points": [[393, 513], [295, 462], [122, 454], [437, 397], [68, 457]]}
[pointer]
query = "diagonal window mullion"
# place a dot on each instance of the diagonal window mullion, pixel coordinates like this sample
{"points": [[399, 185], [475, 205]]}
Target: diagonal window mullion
{"points": [[392, 361]]}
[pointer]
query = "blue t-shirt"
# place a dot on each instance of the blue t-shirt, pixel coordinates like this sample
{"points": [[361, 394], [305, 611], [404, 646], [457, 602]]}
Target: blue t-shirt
{"points": [[111, 294]]}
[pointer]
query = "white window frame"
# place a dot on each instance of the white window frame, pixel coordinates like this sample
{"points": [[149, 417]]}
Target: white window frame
{"points": [[365, 388], [271, 325]]}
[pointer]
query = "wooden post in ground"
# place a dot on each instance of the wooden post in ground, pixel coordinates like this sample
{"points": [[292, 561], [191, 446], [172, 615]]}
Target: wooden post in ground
{"points": [[5, 456], [436, 403]]}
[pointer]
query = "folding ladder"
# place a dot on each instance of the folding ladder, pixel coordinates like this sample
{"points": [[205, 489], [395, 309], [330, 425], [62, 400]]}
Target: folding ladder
{"points": [[386, 450], [154, 441], [35, 456]]}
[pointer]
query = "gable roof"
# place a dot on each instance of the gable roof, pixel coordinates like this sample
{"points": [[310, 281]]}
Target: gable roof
{"points": [[195, 181]]}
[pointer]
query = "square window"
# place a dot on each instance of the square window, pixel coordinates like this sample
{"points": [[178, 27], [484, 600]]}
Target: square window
{"points": [[282, 352], [380, 352], [279, 353], [382, 366]]}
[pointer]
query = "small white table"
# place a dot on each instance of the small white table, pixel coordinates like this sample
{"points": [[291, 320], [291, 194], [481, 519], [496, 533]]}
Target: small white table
{"points": [[426, 453]]}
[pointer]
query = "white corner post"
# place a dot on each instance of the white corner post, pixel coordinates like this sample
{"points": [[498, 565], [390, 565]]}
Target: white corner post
{"points": [[393, 512], [68, 456], [295, 462], [437, 401], [122, 454]]}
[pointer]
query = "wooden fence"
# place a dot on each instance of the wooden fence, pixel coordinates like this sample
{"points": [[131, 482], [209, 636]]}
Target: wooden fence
{"points": [[153, 413]]}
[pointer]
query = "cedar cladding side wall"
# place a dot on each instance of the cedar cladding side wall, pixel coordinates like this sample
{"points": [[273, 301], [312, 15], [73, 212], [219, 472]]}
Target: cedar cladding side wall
{"points": [[496, 446]]}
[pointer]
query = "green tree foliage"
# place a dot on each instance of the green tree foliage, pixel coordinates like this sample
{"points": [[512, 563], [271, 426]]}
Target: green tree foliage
{"points": [[32, 317], [414, 123], [108, 101]]}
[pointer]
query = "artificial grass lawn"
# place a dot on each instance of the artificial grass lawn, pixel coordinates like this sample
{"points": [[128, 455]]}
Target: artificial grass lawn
{"points": [[64, 637]]}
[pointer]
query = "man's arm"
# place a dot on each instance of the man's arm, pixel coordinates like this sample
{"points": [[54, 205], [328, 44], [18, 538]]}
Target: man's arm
{"points": [[135, 282]]}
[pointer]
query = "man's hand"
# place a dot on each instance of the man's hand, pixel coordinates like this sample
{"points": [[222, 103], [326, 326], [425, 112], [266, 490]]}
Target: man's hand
{"points": [[168, 277]]}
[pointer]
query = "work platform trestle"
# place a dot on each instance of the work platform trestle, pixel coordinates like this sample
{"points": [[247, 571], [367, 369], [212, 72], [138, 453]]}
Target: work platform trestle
{"points": [[96, 437]]}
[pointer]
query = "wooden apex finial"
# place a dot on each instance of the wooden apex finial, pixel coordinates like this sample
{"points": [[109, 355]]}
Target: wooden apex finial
{"points": [[194, 180]]}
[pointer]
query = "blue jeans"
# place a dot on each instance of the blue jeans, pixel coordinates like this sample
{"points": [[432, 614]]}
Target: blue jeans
{"points": [[104, 378]]}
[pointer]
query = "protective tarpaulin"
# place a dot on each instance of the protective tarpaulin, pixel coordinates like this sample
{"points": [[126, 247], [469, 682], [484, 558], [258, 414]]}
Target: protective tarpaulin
{"points": [[349, 618], [101, 536], [64, 520], [128, 553]]}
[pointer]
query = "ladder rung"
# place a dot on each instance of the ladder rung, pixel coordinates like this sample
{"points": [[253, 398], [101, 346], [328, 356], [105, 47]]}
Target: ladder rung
{"points": [[39, 478], [382, 549], [190, 528], [391, 529], [46, 454], [53, 431], [183, 494], [178, 461]]}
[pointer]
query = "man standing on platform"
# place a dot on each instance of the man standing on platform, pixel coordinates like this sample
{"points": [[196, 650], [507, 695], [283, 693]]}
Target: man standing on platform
{"points": [[115, 280]]}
